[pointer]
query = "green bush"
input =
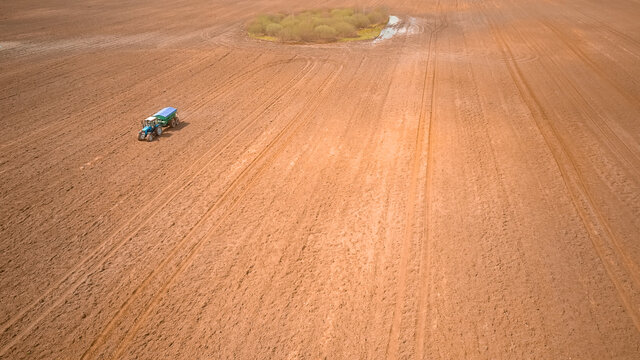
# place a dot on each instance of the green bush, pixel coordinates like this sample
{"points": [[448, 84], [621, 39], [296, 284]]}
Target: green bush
{"points": [[305, 30], [288, 34], [345, 29], [288, 21], [273, 29], [255, 28], [325, 32], [360, 21], [318, 25], [321, 21]]}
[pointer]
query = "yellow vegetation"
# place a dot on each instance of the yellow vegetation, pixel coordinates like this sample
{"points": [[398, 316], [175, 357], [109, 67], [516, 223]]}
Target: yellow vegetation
{"points": [[314, 26]]}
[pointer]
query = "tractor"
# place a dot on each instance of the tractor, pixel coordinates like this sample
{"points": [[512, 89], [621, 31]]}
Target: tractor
{"points": [[152, 126]]}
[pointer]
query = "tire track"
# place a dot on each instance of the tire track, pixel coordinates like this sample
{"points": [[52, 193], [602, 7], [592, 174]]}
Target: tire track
{"points": [[361, 174], [102, 253], [394, 331], [424, 246], [114, 100], [360, 122], [508, 210], [632, 99], [130, 219], [96, 191], [295, 249], [222, 89], [33, 128], [198, 243], [583, 196], [370, 107], [241, 125], [189, 260], [60, 127], [51, 74], [118, 23], [607, 133], [631, 267], [603, 25], [232, 80]]}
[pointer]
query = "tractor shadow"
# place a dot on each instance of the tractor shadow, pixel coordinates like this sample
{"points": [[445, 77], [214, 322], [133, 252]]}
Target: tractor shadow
{"points": [[181, 125], [168, 132]]}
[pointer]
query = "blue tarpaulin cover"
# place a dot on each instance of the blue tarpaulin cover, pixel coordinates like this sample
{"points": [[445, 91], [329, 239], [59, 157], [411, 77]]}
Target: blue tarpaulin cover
{"points": [[166, 112]]}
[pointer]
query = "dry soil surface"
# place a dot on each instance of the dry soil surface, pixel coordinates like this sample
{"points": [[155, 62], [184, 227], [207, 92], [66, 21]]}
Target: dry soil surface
{"points": [[468, 189]]}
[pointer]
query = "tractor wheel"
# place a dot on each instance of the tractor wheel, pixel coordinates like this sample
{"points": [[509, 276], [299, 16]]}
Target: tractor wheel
{"points": [[141, 135], [159, 130], [177, 120], [150, 137], [173, 123]]}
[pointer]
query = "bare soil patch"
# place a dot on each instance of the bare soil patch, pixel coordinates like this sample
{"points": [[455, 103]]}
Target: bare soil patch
{"points": [[467, 191]]}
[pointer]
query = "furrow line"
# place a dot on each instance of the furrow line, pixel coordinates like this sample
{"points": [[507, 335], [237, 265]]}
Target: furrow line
{"points": [[112, 102], [632, 99], [394, 330], [103, 252], [538, 112], [630, 266], [194, 249], [424, 246]]}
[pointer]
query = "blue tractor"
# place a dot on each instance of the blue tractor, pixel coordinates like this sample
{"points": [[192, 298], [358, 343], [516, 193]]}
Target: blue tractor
{"points": [[152, 126]]}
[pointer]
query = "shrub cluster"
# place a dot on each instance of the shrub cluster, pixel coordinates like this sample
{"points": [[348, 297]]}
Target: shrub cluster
{"points": [[317, 25]]}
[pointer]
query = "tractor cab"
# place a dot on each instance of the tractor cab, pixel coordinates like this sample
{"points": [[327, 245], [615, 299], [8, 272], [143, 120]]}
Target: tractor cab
{"points": [[151, 121]]}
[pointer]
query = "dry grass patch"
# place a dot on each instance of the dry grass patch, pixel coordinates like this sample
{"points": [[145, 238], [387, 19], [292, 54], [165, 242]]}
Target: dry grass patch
{"points": [[319, 26]]}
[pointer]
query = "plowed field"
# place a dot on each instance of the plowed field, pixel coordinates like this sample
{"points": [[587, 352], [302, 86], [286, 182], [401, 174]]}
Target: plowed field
{"points": [[468, 189]]}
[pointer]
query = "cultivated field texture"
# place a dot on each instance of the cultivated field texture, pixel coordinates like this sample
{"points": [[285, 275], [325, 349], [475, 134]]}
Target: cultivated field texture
{"points": [[469, 189]]}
